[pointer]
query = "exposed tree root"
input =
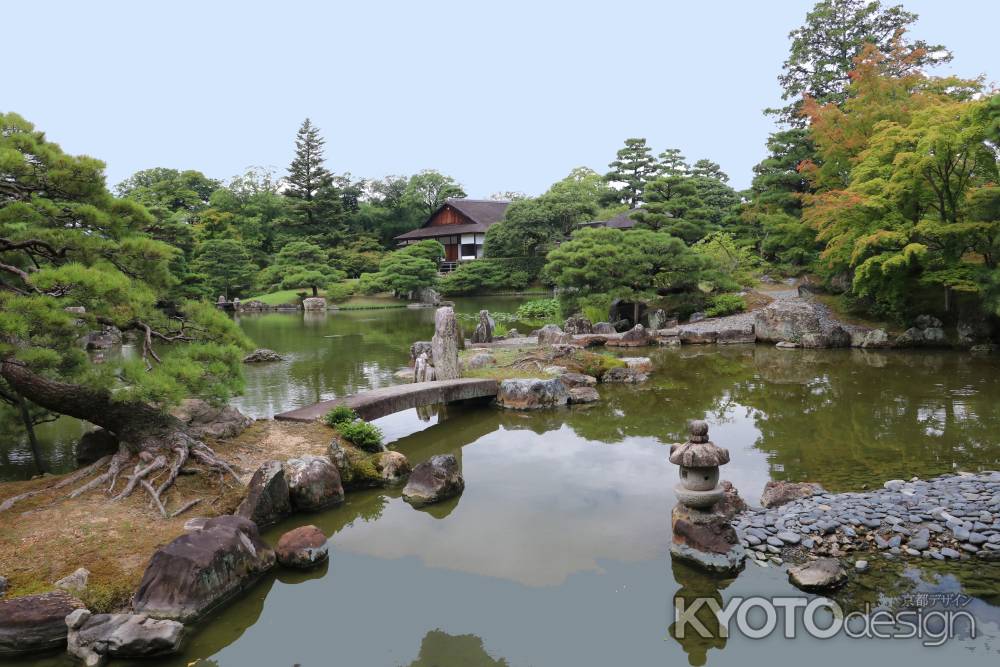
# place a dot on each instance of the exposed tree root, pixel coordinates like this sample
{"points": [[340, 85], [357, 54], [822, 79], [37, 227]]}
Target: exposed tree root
{"points": [[150, 464], [66, 481]]}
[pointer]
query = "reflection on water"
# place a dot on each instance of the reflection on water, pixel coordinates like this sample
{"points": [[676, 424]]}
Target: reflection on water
{"points": [[557, 553]]}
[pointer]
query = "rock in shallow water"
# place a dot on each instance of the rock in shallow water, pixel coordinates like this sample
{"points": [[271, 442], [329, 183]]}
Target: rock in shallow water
{"points": [[313, 483], [532, 394], [822, 574], [302, 548], [434, 480], [579, 395], [96, 637], [779, 493], [35, 622]]}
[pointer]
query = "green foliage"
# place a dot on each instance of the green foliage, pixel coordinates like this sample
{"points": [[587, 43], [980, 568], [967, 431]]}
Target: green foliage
{"points": [[107, 262], [733, 265], [688, 206], [225, 267], [361, 434], [594, 363], [406, 270], [632, 168], [341, 414], [480, 277], [634, 265], [539, 310], [835, 32], [531, 226], [341, 291], [725, 304], [428, 190]]}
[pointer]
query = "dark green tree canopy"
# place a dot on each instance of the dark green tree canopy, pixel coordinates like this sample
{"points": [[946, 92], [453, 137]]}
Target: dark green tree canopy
{"points": [[633, 167], [66, 243]]}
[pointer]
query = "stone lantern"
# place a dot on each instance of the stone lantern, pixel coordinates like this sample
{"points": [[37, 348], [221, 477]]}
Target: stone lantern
{"points": [[702, 532], [699, 460]]}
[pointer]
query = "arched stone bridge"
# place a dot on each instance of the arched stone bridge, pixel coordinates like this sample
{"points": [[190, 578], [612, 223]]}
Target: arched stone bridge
{"points": [[381, 402]]}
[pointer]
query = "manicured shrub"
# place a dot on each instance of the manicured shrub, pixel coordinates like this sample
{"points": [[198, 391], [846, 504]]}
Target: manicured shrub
{"points": [[725, 304], [361, 434], [339, 415]]}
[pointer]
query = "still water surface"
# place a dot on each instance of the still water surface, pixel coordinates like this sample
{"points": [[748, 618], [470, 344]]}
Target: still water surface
{"points": [[557, 552]]}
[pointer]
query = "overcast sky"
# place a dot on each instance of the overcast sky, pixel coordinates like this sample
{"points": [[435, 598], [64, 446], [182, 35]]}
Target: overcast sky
{"points": [[501, 95]]}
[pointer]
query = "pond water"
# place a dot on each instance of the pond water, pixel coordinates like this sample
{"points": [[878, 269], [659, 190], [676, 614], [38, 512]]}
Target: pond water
{"points": [[557, 553]]}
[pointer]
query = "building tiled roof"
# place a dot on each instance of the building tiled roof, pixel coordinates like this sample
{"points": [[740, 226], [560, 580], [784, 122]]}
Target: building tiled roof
{"points": [[482, 212]]}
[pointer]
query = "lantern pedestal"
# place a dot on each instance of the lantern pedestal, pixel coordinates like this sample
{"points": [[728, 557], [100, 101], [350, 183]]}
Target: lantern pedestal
{"points": [[706, 539]]}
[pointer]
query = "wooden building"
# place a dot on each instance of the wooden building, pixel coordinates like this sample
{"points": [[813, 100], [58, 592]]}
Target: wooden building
{"points": [[460, 226]]}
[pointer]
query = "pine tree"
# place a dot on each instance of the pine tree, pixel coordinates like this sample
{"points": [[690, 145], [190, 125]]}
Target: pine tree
{"points": [[308, 180], [633, 168], [672, 163], [709, 169]]}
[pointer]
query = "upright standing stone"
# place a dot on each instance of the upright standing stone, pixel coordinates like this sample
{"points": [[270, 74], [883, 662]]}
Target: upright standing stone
{"points": [[422, 370], [484, 330], [444, 344]]}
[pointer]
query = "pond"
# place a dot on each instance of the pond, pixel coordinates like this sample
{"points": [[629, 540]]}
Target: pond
{"points": [[557, 553]]}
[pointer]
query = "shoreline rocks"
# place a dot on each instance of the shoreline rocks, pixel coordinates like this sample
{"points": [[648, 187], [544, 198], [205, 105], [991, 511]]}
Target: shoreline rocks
{"points": [[94, 638], [434, 480], [262, 355], [950, 517], [532, 393], [202, 569], [445, 344], [267, 500], [302, 548], [313, 483], [34, 623]]}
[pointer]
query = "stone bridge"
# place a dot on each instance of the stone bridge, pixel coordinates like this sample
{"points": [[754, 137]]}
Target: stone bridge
{"points": [[381, 402]]}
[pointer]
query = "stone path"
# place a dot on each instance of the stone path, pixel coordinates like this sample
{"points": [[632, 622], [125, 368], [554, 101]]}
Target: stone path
{"points": [[950, 517]]}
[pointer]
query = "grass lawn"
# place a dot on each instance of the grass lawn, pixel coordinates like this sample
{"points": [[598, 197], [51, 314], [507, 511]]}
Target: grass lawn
{"points": [[283, 297]]}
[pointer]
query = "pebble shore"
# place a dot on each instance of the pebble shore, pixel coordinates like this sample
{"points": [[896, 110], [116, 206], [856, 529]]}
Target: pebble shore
{"points": [[951, 517]]}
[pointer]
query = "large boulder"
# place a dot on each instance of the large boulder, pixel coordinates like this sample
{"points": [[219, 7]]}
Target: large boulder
{"points": [[434, 480], [777, 493], [578, 324], [480, 360], [262, 355], [205, 420], [484, 329], [94, 445], [445, 344], [313, 483], [658, 319], [94, 638], [35, 622], [604, 328], [822, 574], [428, 296], [532, 393], [267, 500], [203, 569], [314, 303], [302, 548], [875, 339], [637, 336], [551, 334], [787, 320]]}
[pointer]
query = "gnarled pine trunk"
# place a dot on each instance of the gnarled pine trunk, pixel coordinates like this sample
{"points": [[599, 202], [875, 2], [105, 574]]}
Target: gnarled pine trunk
{"points": [[150, 438]]}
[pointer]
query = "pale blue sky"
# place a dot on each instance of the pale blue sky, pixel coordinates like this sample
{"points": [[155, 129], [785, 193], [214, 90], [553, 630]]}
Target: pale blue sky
{"points": [[501, 95]]}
